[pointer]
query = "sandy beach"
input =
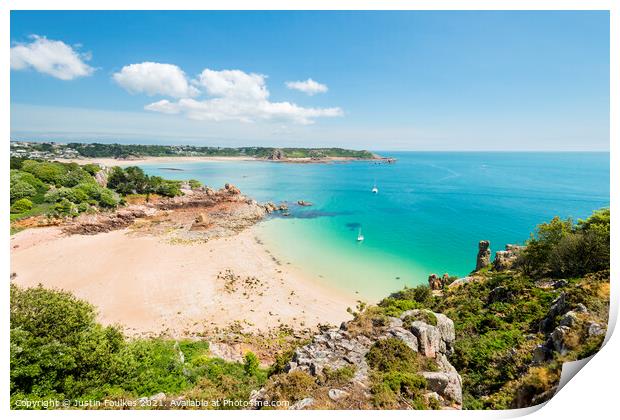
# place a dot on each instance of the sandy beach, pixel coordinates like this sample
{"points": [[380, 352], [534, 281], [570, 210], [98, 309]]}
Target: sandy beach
{"points": [[151, 286], [154, 159], [176, 159]]}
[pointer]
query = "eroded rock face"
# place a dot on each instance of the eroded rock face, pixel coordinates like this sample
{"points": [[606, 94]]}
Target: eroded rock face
{"points": [[504, 260], [484, 255], [107, 222], [102, 176]]}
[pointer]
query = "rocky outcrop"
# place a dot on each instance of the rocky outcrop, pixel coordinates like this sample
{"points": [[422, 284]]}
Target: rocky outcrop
{"points": [[437, 283], [565, 327], [230, 189], [504, 260], [345, 347], [102, 176], [107, 222], [484, 255], [304, 203], [276, 154]]}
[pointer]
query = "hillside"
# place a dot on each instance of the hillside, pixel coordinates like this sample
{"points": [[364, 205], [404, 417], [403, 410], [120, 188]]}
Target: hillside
{"points": [[495, 339], [34, 150]]}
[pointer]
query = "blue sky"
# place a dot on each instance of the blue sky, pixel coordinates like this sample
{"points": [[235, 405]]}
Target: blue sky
{"points": [[378, 80]]}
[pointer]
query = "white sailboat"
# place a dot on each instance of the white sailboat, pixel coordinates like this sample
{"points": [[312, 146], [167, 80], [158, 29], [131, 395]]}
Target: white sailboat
{"points": [[375, 190], [360, 237]]}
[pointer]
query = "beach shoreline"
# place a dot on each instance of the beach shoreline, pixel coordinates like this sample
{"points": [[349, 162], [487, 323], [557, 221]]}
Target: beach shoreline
{"points": [[153, 287], [147, 160]]}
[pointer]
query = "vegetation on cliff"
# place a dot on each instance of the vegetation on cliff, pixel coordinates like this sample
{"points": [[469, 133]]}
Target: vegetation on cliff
{"points": [[60, 189], [514, 328], [59, 351], [504, 320]]}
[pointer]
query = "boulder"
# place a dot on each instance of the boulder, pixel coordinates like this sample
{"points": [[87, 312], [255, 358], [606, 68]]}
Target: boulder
{"points": [[428, 338], [558, 307], [406, 337], [461, 281], [558, 339], [446, 384], [304, 203], [595, 329], [231, 189], [484, 255], [569, 319], [432, 339], [270, 207], [337, 394], [541, 353], [302, 404]]}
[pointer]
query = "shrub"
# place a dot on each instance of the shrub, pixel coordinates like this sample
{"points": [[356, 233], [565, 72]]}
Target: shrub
{"points": [[65, 208], [194, 184], [56, 346], [49, 172], [392, 354], [340, 376], [290, 387], [409, 298], [21, 189], [91, 168], [250, 363], [425, 316], [21, 205], [59, 351], [394, 374]]}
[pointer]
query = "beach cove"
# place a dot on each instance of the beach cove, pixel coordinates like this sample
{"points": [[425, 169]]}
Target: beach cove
{"points": [[431, 211]]}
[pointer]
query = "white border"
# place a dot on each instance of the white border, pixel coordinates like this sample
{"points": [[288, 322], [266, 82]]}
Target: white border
{"points": [[593, 395]]}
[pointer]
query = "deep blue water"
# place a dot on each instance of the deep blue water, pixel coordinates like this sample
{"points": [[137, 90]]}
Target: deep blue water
{"points": [[430, 213]]}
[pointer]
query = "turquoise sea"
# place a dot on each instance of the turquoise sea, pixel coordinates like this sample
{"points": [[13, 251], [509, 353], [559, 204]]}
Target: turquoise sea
{"points": [[431, 210]]}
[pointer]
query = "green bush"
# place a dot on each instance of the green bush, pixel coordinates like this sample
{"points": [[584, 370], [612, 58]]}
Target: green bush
{"points": [[392, 354], [47, 172], [425, 316], [194, 184], [21, 205], [250, 363], [65, 208], [394, 374], [57, 348], [561, 248], [21, 189], [59, 351], [133, 180]]}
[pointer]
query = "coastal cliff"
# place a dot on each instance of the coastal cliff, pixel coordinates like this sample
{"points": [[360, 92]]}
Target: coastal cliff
{"points": [[373, 361]]}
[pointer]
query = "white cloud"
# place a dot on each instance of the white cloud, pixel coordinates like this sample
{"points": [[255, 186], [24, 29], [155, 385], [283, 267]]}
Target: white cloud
{"points": [[50, 57], [231, 109], [238, 96], [155, 79], [309, 87], [234, 84]]}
